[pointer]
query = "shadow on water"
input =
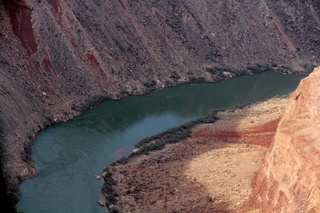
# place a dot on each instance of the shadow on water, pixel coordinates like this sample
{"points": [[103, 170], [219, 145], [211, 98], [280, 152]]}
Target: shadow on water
{"points": [[69, 155]]}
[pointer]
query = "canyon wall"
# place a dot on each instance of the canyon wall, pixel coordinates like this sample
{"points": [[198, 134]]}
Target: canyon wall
{"points": [[60, 57], [289, 180]]}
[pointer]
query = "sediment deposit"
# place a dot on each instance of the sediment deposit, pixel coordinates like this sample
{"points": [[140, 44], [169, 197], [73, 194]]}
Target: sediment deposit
{"points": [[211, 171]]}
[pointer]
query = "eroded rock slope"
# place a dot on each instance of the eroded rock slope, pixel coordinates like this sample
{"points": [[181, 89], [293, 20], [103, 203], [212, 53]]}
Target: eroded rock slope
{"points": [[59, 57]]}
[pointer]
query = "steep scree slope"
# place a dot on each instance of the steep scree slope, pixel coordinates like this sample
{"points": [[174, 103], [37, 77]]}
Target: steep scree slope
{"points": [[59, 57]]}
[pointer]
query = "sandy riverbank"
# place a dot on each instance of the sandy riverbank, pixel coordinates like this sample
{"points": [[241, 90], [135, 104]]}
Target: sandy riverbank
{"points": [[211, 171]]}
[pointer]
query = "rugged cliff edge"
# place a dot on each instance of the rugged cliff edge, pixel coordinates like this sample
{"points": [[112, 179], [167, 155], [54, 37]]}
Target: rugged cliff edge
{"points": [[60, 57], [289, 179]]}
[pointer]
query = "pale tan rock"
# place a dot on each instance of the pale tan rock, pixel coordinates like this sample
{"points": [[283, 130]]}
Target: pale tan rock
{"points": [[289, 180], [102, 202]]}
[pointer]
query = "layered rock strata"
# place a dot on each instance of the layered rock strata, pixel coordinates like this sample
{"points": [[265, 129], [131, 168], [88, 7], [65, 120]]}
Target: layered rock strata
{"points": [[60, 57], [289, 180]]}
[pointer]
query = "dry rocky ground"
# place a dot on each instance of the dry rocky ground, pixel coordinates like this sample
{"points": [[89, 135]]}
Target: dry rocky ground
{"points": [[211, 171]]}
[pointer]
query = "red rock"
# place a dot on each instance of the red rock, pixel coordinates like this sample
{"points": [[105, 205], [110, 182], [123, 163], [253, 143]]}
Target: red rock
{"points": [[20, 16]]}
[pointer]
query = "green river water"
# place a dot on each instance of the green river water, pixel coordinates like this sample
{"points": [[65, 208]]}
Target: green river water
{"points": [[69, 155]]}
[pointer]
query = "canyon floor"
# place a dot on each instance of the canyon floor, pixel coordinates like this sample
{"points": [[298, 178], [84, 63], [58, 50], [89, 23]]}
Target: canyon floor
{"points": [[211, 171]]}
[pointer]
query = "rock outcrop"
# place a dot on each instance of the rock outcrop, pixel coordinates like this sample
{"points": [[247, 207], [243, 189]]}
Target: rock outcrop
{"points": [[60, 57], [289, 180]]}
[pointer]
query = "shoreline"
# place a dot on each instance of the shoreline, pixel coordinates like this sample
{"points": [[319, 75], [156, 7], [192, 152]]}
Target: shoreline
{"points": [[182, 172], [75, 112]]}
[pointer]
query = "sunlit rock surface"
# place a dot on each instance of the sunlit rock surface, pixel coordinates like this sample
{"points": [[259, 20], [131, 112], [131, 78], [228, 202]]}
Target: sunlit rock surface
{"points": [[289, 179]]}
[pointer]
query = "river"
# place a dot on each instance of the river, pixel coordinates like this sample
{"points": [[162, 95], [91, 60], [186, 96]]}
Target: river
{"points": [[69, 155]]}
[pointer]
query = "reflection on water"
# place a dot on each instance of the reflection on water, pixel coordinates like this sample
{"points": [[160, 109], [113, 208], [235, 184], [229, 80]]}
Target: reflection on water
{"points": [[69, 155]]}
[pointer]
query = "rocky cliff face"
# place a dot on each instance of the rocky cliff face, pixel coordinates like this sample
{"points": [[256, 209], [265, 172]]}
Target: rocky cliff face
{"points": [[59, 57], [289, 178]]}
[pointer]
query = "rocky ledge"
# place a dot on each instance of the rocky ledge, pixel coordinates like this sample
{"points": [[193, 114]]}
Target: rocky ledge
{"points": [[289, 180]]}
